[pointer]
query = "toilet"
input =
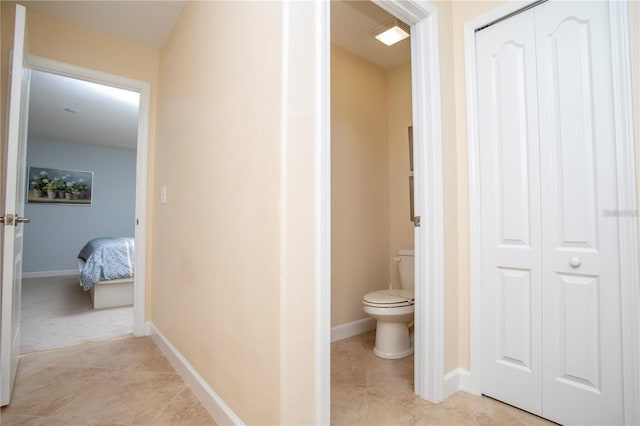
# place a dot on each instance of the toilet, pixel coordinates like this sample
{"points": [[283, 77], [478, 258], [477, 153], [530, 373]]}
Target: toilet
{"points": [[393, 309]]}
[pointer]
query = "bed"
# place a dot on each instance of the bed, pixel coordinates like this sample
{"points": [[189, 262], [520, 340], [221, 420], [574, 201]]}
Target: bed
{"points": [[106, 267]]}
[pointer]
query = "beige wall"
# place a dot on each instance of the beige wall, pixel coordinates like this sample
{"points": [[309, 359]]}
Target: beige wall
{"points": [[370, 116], [7, 18], [450, 188], [216, 248], [359, 183], [235, 260]]}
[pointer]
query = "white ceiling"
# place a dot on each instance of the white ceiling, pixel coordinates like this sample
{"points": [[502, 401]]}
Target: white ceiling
{"points": [[105, 120], [351, 22], [145, 22], [76, 111]]}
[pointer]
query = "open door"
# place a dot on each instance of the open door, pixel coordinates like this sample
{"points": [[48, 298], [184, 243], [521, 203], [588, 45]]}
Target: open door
{"points": [[12, 220]]}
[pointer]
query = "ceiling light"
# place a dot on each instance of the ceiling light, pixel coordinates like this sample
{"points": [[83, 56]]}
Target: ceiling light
{"points": [[391, 32]]}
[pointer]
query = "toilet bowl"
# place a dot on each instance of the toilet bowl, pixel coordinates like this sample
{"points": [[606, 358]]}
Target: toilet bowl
{"points": [[393, 309]]}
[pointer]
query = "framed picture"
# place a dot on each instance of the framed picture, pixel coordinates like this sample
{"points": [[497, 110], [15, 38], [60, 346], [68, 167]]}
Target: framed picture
{"points": [[410, 148], [59, 186]]}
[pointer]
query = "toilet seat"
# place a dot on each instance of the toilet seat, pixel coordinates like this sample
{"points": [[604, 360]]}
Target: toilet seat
{"points": [[391, 298]]}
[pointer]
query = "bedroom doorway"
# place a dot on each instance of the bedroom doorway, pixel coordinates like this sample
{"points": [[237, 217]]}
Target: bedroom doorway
{"points": [[111, 116]]}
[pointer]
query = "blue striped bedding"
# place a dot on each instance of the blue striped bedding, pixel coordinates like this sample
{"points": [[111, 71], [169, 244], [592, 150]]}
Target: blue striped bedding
{"points": [[106, 259]]}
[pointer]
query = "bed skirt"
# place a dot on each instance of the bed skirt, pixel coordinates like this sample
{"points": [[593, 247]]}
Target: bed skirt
{"points": [[110, 294]]}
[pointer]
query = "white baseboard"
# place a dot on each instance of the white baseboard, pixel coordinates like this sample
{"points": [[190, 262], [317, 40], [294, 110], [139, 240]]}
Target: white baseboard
{"points": [[350, 329], [220, 411], [47, 274], [456, 380]]}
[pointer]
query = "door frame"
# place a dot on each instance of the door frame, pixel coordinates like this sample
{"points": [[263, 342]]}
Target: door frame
{"points": [[429, 345], [144, 88], [422, 16], [627, 199]]}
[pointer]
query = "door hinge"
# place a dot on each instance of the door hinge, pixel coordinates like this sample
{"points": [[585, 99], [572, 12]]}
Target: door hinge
{"points": [[416, 221]]}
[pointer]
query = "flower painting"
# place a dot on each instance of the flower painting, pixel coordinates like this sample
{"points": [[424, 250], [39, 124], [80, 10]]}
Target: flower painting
{"points": [[59, 186]]}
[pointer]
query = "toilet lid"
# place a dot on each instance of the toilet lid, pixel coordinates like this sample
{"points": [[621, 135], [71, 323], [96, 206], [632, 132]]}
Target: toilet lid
{"points": [[389, 298]]}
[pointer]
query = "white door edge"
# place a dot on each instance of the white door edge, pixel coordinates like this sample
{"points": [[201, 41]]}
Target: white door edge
{"points": [[429, 195], [9, 344], [627, 201], [144, 88]]}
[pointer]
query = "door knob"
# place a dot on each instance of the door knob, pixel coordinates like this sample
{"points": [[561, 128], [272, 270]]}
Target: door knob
{"points": [[575, 262], [12, 220]]}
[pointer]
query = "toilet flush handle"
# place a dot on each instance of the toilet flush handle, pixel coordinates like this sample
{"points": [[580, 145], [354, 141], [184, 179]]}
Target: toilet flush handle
{"points": [[397, 259]]}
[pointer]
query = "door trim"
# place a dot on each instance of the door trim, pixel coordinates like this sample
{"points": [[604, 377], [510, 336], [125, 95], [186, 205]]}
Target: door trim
{"points": [[627, 201], [144, 88], [429, 345]]}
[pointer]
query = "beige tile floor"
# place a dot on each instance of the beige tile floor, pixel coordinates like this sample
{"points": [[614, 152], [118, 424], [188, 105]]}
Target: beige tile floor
{"points": [[118, 382], [367, 390]]}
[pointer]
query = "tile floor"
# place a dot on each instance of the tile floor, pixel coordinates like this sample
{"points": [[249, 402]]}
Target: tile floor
{"points": [[118, 382], [367, 390], [129, 382]]}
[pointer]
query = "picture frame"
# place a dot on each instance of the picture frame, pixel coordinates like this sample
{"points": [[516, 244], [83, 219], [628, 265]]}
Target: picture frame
{"points": [[47, 185]]}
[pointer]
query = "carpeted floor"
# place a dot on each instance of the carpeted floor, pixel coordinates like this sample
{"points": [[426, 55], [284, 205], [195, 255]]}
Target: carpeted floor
{"points": [[56, 313]]}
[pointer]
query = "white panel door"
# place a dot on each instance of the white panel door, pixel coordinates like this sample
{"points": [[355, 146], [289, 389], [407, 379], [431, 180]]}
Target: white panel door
{"points": [[510, 191], [12, 228], [551, 339], [582, 379]]}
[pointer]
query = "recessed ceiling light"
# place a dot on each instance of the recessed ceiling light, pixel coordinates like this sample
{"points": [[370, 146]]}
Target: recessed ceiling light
{"points": [[71, 111], [391, 32]]}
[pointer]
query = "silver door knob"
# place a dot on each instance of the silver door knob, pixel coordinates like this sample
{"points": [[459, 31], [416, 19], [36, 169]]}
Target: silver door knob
{"points": [[22, 220], [575, 262]]}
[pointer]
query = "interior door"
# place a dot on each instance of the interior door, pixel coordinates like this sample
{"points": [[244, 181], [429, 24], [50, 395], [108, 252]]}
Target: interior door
{"points": [[582, 373], [12, 218], [550, 262], [511, 234]]}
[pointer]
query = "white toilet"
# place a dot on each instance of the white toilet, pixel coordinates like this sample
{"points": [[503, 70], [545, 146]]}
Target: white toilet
{"points": [[393, 309]]}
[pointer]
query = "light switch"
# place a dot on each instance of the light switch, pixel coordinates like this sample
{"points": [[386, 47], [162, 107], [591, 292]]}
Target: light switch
{"points": [[163, 195]]}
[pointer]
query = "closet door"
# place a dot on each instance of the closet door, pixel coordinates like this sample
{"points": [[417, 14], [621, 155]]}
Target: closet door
{"points": [[550, 262], [510, 209], [582, 368]]}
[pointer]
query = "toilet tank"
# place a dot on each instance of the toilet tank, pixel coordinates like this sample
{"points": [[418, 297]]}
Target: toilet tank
{"points": [[406, 269]]}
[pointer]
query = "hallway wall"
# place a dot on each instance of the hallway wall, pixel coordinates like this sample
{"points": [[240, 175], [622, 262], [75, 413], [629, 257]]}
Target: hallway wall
{"points": [[235, 251]]}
